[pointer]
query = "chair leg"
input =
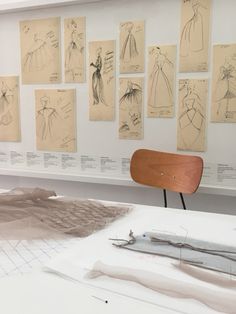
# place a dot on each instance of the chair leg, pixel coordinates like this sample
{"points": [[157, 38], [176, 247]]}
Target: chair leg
{"points": [[182, 199], [165, 199]]}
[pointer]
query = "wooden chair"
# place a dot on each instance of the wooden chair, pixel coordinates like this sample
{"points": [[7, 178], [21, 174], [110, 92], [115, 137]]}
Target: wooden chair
{"points": [[173, 172]]}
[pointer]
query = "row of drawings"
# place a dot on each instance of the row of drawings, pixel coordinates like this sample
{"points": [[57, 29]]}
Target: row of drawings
{"points": [[55, 109], [40, 50], [55, 113]]}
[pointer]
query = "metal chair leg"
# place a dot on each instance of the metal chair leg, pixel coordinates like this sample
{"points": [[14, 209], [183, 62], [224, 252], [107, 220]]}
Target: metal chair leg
{"points": [[165, 199], [182, 199]]}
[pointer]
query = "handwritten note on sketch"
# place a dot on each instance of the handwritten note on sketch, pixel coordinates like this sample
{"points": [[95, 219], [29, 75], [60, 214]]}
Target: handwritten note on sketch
{"points": [[131, 108], [161, 81], [102, 80], [192, 114], [132, 47], [9, 109], [74, 42], [223, 107], [40, 51], [194, 37], [55, 120]]}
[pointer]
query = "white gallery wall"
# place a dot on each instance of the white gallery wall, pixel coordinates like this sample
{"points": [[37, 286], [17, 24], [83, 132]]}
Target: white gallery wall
{"points": [[162, 26]]}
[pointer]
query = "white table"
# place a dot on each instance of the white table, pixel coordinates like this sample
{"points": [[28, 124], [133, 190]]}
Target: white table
{"points": [[44, 293]]}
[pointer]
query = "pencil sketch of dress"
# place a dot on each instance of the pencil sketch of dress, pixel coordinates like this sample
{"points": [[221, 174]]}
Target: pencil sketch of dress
{"points": [[160, 89], [38, 56], [6, 96], [131, 110], [102, 80], [132, 47], [46, 116], [129, 48], [226, 88], [40, 51], [192, 38], [97, 81], [74, 54], [9, 109], [5, 102], [55, 119], [191, 121]]}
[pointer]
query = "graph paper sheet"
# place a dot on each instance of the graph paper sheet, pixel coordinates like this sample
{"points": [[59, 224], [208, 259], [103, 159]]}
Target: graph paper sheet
{"points": [[26, 244]]}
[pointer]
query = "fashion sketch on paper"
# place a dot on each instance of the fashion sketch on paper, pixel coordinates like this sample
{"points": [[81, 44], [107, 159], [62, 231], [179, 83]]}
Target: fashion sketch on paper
{"points": [[192, 36], [38, 56], [131, 103], [192, 118], [161, 88], [97, 81], [129, 47], [225, 91], [6, 99], [74, 52], [46, 117]]}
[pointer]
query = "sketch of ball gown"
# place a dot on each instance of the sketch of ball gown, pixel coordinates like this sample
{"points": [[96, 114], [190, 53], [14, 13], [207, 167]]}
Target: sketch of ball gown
{"points": [[192, 119], [46, 117], [97, 81], [6, 97], [74, 51], [192, 36], [131, 102], [161, 95], [38, 56], [226, 87], [129, 48]]}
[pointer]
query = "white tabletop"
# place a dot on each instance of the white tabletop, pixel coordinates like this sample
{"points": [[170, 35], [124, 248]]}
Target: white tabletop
{"points": [[45, 293]]}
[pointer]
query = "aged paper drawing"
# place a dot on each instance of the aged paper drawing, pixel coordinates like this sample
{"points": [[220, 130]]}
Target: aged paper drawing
{"points": [[161, 81], [40, 51], [56, 119], [194, 37], [192, 114], [102, 80], [132, 47], [131, 108], [223, 107], [9, 109], [74, 42]]}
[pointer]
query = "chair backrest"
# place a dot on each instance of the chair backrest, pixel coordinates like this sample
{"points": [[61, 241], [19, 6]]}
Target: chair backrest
{"points": [[174, 172]]}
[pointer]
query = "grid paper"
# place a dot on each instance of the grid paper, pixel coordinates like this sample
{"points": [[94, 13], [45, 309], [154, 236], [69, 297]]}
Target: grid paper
{"points": [[22, 256]]}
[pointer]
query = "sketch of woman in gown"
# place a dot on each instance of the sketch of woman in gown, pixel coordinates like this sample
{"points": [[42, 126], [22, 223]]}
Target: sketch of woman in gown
{"points": [[129, 48], [160, 93], [74, 52], [38, 56], [226, 87], [191, 120], [97, 81], [6, 97], [46, 117], [131, 102], [192, 36]]}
